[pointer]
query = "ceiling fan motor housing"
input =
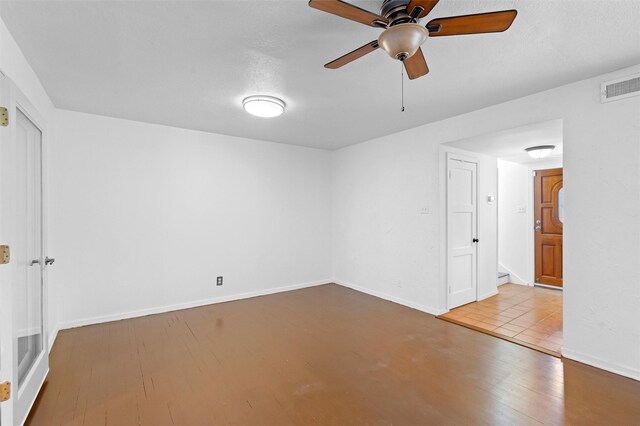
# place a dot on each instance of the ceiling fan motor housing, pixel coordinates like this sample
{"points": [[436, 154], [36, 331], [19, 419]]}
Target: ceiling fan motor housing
{"points": [[395, 11]]}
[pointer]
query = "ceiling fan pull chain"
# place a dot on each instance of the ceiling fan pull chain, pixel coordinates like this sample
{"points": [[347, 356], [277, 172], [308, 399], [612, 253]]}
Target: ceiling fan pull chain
{"points": [[402, 83]]}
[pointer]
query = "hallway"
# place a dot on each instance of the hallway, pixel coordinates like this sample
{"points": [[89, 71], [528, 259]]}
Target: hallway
{"points": [[529, 316]]}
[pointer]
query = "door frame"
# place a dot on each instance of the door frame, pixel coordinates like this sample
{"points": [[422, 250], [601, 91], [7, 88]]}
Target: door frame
{"points": [[12, 98]]}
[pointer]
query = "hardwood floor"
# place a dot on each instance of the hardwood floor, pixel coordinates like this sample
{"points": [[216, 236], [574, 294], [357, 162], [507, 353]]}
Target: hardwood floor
{"points": [[322, 355], [530, 316]]}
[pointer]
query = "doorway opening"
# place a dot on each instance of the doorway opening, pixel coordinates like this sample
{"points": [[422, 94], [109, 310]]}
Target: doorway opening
{"points": [[520, 202]]}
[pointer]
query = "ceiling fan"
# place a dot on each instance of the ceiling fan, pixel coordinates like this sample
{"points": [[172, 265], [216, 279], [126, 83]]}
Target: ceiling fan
{"points": [[403, 36]]}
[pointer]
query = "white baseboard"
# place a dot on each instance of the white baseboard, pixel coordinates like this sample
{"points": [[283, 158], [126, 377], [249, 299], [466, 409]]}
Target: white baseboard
{"points": [[600, 363], [186, 305], [52, 337], [428, 309]]}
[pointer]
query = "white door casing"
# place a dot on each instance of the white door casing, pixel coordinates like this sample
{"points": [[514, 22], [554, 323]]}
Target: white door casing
{"points": [[462, 224], [23, 330]]}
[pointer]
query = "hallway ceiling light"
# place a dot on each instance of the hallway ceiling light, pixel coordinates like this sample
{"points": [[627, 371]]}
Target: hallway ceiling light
{"points": [[263, 106], [539, 152]]}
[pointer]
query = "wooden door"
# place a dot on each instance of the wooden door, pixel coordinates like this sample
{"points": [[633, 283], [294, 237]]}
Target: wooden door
{"points": [[548, 216]]}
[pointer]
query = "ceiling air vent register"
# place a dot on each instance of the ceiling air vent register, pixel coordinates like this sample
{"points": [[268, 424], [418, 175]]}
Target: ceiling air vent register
{"points": [[620, 88]]}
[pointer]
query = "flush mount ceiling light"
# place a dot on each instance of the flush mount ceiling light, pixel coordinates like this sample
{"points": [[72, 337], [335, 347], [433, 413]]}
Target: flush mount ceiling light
{"points": [[539, 152], [403, 40], [263, 106]]}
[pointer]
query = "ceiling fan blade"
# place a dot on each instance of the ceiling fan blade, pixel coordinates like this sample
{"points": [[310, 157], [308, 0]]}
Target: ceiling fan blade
{"points": [[416, 65], [426, 5], [492, 22], [352, 56], [349, 11]]}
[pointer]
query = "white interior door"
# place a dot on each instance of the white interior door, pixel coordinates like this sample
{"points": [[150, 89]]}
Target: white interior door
{"points": [[24, 357], [462, 223]]}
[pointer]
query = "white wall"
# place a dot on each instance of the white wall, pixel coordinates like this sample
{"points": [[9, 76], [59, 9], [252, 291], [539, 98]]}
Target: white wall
{"points": [[514, 251], [146, 216], [383, 242], [14, 65], [383, 246], [487, 227]]}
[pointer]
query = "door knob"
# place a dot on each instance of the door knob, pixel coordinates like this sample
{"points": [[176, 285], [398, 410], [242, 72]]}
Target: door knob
{"points": [[475, 240], [538, 228], [49, 260]]}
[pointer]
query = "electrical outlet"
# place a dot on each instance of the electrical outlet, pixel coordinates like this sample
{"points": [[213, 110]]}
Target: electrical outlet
{"points": [[219, 281]]}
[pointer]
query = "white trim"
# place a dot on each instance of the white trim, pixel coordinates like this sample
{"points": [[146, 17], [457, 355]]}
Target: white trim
{"points": [[423, 308], [185, 305], [53, 337], [602, 364], [552, 287], [33, 401]]}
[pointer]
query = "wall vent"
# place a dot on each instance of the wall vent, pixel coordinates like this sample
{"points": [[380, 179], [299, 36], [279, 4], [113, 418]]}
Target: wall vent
{"points": [[620, 88]]}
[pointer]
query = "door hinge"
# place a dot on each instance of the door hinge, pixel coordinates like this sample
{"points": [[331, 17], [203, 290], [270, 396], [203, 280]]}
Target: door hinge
{"points": [[535, 173], [5, 255], [4, 117], [5, 391]]}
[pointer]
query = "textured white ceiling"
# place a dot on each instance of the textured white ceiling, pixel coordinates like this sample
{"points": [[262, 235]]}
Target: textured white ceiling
{"points": [[510, 144], [189, 64]]}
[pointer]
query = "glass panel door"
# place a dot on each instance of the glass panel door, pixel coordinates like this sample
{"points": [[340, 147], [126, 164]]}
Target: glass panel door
{"points": [[28, 250], [23, 334]]}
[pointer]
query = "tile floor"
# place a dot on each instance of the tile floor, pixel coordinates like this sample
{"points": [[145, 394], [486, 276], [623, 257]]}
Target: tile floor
{"points": [[527, 315]]}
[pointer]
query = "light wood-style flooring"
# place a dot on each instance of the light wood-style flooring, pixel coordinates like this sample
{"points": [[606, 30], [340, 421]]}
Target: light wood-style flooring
{"points": [[531, 316], [325, 355]]}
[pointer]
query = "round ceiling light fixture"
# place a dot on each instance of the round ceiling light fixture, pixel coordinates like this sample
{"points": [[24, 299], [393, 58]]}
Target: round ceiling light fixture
{"points": [[540, 151], [403, 40], [263, 106]]}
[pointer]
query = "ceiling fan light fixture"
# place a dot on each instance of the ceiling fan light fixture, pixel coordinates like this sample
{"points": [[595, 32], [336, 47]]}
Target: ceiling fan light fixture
{"points": [[540, 151], [403, 40], [263, 106]]}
